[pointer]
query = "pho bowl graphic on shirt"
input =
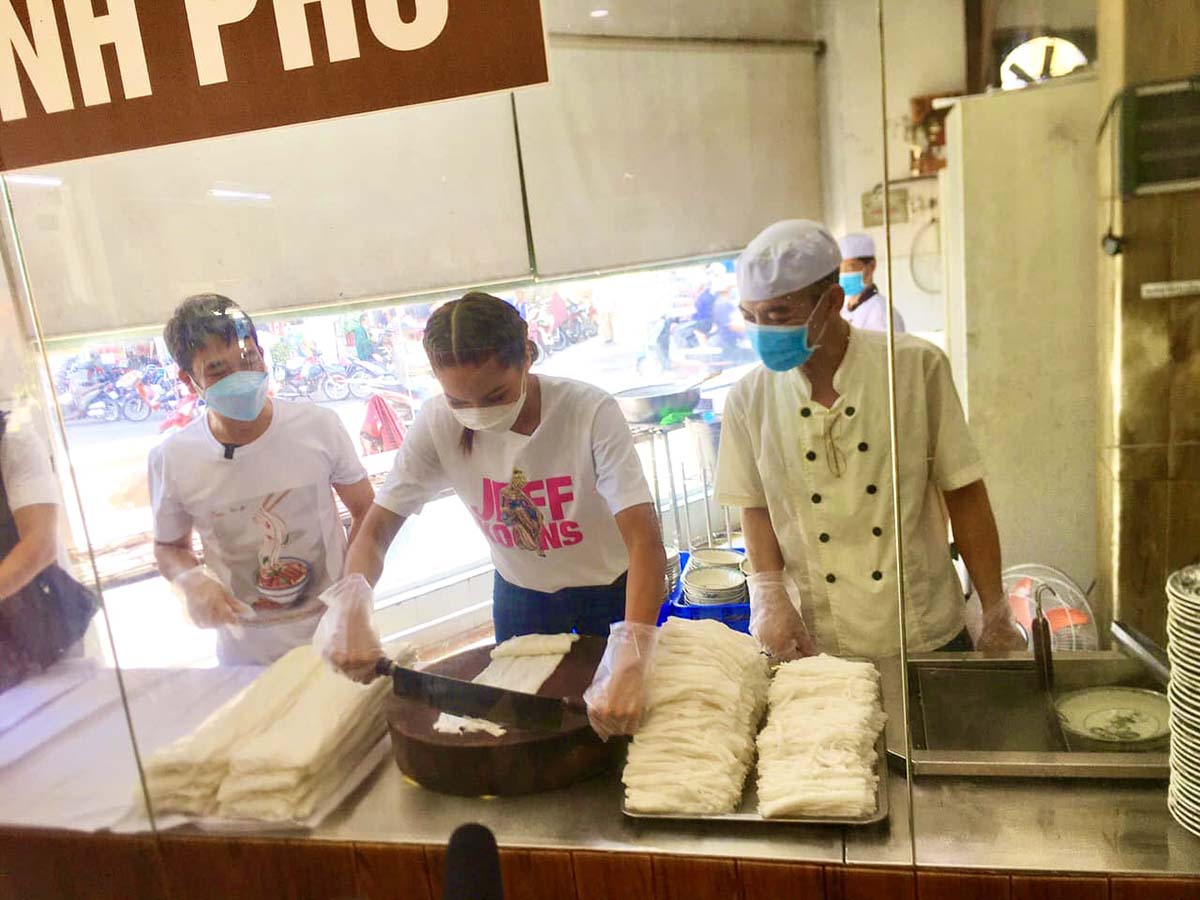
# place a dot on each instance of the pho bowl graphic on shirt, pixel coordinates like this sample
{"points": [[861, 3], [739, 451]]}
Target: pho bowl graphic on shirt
{"points": [[529, 515], [274, 552]]}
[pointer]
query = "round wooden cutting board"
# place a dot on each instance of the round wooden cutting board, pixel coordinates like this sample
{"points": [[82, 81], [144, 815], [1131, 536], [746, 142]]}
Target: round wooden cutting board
{"points": [[518, 762]]}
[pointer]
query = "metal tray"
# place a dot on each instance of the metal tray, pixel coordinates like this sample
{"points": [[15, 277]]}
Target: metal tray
{"points": [[748, 810]]}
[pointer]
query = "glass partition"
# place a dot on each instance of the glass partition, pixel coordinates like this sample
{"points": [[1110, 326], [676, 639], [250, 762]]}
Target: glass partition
{"points": [[1046, 747], [62, 696], [607, 209]]}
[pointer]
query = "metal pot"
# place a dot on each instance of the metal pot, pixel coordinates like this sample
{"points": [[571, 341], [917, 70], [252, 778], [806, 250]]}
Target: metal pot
{"points": [[647, 405]]}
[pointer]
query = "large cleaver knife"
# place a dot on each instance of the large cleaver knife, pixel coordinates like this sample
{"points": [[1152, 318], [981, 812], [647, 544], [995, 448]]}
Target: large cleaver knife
{"points": [[481, 701]]}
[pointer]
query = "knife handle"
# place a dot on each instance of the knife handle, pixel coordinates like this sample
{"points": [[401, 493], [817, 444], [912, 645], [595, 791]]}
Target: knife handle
{"points": [[383, 666], [575, 705]]}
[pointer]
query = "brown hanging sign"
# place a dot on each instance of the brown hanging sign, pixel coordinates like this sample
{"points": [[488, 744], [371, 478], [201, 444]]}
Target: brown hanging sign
{"points": [[82, 78]]}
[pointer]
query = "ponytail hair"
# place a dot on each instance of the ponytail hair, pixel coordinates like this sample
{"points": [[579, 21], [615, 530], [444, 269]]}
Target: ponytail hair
{"points": [[471, 331]]}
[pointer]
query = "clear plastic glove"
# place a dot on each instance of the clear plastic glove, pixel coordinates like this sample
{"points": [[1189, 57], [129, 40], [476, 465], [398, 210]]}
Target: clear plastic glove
{"points": [[775, 621], [616, 698], [207, 601], [346, 637], [1000, 631]]}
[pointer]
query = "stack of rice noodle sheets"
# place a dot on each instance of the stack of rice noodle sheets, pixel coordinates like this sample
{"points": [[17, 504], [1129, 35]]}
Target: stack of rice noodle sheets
{"points": [[277, 750], [700, 737]]}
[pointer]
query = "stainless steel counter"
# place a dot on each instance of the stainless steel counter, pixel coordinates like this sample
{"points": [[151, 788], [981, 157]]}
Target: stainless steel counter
{"points": [[1044, 825], [586, 816]]}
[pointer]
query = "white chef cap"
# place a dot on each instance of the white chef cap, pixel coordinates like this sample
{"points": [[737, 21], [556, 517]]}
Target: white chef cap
{"points": [[857, 246], [786, 257]]}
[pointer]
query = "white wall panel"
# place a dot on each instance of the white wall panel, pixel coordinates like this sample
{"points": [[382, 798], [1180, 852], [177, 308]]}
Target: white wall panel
{"points": [[640, 153], [388, 203]]}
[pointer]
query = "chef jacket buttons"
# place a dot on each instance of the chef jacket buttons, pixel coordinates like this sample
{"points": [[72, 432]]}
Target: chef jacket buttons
{"points": [[831, 578], [878, 576], [810, 455], [849, 410], [816, 498], [871, 489], [863, 447], [877, 531], [806, 412], [824, 538]]}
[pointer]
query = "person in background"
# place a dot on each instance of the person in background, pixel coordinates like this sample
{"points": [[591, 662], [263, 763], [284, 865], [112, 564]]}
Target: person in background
{"points": [[256, 477], [32, 491], [805, 454], [865, 307], [727, 319], [548, 468], [364, 347], [707, 298]]}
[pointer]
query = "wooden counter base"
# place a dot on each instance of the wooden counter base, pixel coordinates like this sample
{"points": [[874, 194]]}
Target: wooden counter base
{"points": [[49, 865]]}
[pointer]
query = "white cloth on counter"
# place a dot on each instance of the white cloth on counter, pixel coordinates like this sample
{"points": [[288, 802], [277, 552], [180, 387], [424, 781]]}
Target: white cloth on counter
{"points": [[81, 775], [277, 750], [816, 754], [288, 768], [522, 663], [704, 701]]}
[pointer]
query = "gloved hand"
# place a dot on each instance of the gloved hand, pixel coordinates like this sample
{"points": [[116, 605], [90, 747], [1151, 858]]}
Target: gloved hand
{"points": [[775, 621], [1000, 631], [346, 637], [617, 695], [207, 601]]}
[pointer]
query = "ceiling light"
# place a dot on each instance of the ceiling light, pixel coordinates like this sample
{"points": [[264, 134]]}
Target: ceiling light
{"points": [[599, 13], [36, 180], [227, 194]]}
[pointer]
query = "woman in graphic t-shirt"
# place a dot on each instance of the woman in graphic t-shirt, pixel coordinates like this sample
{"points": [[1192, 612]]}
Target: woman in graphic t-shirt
{"points": [[548, 469]]}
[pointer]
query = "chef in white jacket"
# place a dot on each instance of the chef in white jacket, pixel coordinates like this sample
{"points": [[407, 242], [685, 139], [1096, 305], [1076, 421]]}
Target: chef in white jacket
{"points": [[805, 455], [865, 307]]}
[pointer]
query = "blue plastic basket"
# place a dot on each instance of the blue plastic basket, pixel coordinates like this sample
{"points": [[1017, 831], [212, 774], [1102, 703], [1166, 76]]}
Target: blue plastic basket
{"points": [[735, 615]]}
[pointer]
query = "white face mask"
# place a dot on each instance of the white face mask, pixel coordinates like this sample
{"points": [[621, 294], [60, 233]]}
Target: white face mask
{"points": [[498, 419]]}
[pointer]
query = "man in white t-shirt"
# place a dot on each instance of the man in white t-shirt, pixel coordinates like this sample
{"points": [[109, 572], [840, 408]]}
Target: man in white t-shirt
{"points": [[865, 307], [256, 478]]}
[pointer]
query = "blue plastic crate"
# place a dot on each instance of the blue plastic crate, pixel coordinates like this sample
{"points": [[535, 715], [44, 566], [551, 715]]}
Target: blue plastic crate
{"points": [[735, 615]]}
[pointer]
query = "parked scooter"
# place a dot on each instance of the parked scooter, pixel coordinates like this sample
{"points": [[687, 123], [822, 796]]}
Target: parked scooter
{"points": [[188, 408], [360, 373]]}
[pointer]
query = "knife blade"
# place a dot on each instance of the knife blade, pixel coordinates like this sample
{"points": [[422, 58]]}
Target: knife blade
{"points": [[481, 701]]}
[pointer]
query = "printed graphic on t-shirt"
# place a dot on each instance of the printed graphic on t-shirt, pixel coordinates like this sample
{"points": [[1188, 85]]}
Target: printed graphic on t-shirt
{"points": [[273, 552], [529, 515]]}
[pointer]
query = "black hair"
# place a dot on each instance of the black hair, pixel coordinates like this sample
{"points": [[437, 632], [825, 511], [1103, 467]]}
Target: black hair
{"points": [[866, 260], [198, 318], [472, 330]]}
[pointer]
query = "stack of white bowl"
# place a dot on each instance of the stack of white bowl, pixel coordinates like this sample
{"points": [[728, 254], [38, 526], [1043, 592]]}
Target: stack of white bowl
{"points": [[1183, 647], [673, 571], [713, 585], [712, 557]]}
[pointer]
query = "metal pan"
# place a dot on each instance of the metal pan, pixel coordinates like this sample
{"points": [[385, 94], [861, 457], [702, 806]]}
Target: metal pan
{"points": [[748, 810], [647, 405]]}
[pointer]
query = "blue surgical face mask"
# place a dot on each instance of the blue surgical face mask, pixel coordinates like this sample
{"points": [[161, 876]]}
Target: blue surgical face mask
{"points": [[852, 283], [240, 396], [784, 347]]}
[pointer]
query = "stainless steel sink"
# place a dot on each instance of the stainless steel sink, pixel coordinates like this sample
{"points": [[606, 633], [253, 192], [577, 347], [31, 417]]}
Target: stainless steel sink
{"points": [[987, 716]]}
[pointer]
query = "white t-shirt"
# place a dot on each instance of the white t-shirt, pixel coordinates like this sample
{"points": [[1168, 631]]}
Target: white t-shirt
{"points": [[579, 468], [871, 315], [25, 466], [271, 503], [825, 477]]}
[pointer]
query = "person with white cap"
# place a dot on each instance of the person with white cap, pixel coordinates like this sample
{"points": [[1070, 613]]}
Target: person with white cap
{"points": [[805, 454], [865, 307]]}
